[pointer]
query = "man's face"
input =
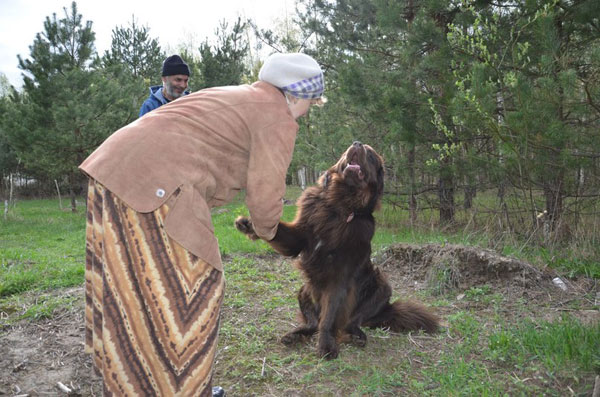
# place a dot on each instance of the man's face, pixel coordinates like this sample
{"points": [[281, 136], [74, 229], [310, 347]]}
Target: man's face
{"points": [[175, 85]]}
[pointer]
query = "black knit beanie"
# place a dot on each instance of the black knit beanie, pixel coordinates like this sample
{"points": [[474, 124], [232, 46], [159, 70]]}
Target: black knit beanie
{"points": [[174, 65]]}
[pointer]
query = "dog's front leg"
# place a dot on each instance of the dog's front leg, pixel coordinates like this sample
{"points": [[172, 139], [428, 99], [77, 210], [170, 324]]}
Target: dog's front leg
{"points": [[375, 294], [310, 315], [289, 239], [332, 314]]}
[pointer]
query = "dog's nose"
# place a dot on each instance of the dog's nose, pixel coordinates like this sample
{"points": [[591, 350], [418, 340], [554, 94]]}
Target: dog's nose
{"points": [[356, 143]]}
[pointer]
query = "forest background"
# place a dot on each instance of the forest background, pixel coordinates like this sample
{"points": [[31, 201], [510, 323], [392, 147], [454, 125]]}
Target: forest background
{"points": [[487, 113]]}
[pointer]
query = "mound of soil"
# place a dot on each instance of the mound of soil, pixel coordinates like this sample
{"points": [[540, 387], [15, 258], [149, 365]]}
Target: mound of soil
{"points": [[464, 266], [452, 271]]}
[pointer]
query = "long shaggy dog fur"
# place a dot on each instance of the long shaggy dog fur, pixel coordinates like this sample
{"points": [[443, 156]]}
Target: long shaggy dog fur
{"points": [[331, 236]]}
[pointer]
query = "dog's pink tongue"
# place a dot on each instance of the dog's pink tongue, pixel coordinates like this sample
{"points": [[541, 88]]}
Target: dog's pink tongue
{"points": [[353, 167]]}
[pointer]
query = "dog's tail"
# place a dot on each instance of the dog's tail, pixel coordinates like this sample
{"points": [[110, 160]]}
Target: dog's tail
{"points": [[403, 316]]}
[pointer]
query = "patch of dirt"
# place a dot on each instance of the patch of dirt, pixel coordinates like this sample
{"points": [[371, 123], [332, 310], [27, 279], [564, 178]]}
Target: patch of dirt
{"points": [[36, 355]]}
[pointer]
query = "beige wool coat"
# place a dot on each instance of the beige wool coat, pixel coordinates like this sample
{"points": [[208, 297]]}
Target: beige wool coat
{"points": [[210, 144]]}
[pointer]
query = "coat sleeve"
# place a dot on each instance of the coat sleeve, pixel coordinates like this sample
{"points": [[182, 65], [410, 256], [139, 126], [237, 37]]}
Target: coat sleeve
{"points": [[271, 152]]}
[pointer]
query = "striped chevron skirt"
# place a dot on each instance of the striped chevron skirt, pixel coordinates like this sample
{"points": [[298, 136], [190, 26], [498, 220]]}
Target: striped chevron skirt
{"points": [[152, 308]]}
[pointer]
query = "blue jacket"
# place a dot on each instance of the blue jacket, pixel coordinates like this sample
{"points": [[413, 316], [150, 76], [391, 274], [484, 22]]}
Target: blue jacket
{"points": [[155, 100]]}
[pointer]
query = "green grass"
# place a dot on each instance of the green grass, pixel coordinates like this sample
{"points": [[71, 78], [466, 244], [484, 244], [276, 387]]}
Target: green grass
{"points": [[41, 247], [491, 347], [571, 263], [47, 306], [565, 345]]}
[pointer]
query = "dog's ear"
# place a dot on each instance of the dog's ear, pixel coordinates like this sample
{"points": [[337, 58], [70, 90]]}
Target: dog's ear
{"points": [[377, 161], [376, 191], [380, 177], [380, 171]]}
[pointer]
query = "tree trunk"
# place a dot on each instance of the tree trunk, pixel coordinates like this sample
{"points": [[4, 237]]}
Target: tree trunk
{"points": [[446, 193], [73, 200], [59, 196], [470, 193], [72, 180], [302, 177], [554, 194], [412, 198]]}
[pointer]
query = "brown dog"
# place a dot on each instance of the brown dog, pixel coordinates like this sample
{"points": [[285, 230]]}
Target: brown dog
{"points": [[331, 235]]}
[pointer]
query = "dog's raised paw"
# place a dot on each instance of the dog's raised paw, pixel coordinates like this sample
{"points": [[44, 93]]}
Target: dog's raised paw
{"points": [[244, 225]]}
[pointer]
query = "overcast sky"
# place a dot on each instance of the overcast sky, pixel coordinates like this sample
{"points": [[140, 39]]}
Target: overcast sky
{"points": [[171, 22]]}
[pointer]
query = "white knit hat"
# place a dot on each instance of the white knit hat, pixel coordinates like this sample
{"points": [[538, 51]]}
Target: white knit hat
{"points": [[295, 73]]}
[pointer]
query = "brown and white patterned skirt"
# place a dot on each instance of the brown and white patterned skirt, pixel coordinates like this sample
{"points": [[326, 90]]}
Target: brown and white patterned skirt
{"points": [[152, 307]]}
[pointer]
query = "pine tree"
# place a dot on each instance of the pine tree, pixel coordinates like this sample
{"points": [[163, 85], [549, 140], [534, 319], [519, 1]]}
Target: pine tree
{"points": [[9, 163], [68, 107], [134, 61], [133, 48], [531, 84], [391, 64], [5, 87], [224, 63]]}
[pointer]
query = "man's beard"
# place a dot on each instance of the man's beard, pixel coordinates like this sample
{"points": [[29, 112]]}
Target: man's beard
{"points": [[171, 90]]}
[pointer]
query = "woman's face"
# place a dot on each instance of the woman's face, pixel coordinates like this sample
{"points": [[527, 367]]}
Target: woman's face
{"points": [[299, 107]]}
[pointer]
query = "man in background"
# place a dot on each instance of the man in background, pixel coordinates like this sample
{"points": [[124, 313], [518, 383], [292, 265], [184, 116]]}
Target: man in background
{"points": [[175, 76]]}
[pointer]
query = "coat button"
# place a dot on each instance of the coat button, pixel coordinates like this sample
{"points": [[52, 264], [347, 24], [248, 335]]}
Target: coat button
{"points": [[160, 193]]}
